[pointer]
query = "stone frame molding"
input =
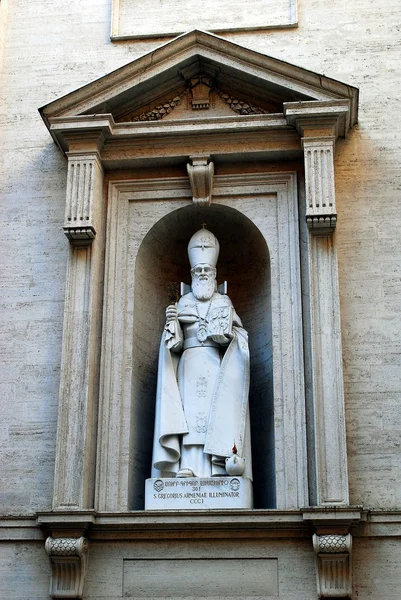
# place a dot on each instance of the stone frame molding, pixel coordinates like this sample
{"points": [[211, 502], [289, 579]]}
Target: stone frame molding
{"points": [[316, 111], [94, 143], [115, 390]]}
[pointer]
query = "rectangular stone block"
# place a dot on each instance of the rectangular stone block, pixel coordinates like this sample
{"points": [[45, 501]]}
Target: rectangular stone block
{"points": [[132, 18], [201, 578]]}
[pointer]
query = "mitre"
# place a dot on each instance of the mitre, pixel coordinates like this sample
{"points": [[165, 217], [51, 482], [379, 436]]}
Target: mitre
{"points": [[203, 248]]}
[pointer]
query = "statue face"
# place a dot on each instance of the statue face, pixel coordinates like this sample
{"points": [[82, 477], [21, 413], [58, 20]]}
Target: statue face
{"points": [[203, 272], [203, 281]]}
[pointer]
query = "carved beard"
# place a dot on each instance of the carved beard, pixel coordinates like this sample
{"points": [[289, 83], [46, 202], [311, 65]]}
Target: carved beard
{"points": [[203, 290]]}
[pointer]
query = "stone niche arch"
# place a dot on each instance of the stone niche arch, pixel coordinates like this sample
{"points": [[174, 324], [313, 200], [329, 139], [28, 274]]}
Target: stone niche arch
{"points": [[244, 262]]}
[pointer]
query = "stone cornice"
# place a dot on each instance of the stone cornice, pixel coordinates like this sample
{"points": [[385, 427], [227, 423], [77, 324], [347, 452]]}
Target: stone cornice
{"points": [[320, 119], [125, 145], [204, 524], [65, 128], [163, 67], [288, 523]]}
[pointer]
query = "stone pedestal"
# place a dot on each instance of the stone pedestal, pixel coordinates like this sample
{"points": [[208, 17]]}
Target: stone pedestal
{"points": [[198, 493]]}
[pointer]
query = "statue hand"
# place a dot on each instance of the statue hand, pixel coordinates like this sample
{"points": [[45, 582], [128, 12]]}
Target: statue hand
{"points": [[171, 313]]}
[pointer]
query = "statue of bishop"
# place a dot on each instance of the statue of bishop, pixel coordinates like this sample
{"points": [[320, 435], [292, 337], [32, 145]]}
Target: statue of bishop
{"points": [[203, 377]]}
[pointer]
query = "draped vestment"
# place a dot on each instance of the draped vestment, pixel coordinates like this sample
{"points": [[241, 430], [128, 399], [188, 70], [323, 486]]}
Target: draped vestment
{"points": [[202, 394]]}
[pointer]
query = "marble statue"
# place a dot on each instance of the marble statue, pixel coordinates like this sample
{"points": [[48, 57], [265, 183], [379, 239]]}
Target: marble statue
{"points": [[203, 378]]}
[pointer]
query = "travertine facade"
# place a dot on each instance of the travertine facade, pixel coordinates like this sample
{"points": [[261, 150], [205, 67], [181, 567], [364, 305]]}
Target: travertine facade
{"points": [[76, 422]]}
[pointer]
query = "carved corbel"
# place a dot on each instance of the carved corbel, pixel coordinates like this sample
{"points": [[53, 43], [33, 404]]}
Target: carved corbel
{"points": [[69, 558], [319, 123], [84, 185], [321, 215], [200, 174], [333, 565]]}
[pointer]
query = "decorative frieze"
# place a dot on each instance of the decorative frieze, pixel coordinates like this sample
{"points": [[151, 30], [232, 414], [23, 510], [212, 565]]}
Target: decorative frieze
{"points": [[333, 565], [200, 174], [321, 213], [85, 174], [241, 107], [158, 112], [69, 558], [200, 96]]}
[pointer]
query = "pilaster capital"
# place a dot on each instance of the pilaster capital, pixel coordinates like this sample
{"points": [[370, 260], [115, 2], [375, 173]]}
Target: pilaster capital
{"points": [[319, 118], [201, 172]]}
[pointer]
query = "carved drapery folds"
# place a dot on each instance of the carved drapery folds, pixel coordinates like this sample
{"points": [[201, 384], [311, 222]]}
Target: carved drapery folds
{"points": [[333, 565], [200, 174], [68, 557]]}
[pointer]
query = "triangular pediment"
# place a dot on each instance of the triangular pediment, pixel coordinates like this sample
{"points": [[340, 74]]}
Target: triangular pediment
{"points": [[199, 74]]}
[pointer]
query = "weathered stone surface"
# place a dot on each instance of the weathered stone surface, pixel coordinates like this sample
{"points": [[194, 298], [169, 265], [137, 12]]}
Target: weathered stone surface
{"points": [[133, 19]]}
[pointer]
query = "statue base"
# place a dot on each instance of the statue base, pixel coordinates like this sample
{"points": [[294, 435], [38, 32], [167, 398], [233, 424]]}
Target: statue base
{"points": [[194, 493]]}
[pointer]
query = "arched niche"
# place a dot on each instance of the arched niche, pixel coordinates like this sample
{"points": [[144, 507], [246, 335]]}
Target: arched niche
{"points": [[244, 263], [149, 224]]}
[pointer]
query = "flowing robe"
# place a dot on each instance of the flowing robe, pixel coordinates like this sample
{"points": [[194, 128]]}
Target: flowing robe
{"points": [[202, 395]]}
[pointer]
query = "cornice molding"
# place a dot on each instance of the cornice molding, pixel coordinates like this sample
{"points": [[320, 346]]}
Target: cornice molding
{"points": [[364, 523], [200, 51]]}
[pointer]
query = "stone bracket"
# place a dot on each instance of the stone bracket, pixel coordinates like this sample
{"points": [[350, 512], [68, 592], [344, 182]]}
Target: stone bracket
{"points": [[201, 173], [321, 215], [69, 561], [84, 172], [333, 565]]}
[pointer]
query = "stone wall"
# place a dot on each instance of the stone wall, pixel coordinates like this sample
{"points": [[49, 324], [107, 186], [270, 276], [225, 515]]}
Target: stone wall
{"points": [[51, 48]]}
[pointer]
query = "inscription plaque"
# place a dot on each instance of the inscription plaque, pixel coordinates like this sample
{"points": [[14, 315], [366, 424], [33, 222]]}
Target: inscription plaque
{"points": [[202, 578], [198, 493]]}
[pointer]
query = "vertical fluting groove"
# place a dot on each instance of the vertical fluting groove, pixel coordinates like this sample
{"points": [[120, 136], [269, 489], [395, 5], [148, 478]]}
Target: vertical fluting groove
{"points": [[68, 208], [308, 176], [88, 191], [318, 179], [74, 192], [325, 182], [329, 160], [312, 181], [84, 192], [81, 190]]}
